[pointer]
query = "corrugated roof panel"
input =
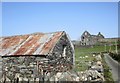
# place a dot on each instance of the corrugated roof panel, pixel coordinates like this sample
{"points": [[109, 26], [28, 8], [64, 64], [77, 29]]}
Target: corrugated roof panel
{"points": [[24, 46], [43, 40], [50, 43], [9, 44], [22, 40], [32, 44], [1, 44]]}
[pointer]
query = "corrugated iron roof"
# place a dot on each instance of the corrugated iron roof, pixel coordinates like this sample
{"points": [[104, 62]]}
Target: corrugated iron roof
{"points": [[30, 44]]}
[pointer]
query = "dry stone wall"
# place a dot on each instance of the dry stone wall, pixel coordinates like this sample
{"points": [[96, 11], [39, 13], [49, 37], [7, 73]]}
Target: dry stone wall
{"points": [[0, 67], [22, 67]]}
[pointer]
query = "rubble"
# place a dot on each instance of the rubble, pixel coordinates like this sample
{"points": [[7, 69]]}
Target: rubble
{"points": [[94, 72], [65, 76], [91, 75]]}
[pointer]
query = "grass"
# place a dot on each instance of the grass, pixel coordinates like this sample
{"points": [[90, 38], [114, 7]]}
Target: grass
{"points": [[107, 73], [87, 51], [82, 63]]}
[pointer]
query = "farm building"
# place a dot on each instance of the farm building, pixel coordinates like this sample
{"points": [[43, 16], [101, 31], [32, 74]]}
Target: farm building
{"points": [[36, 55]]}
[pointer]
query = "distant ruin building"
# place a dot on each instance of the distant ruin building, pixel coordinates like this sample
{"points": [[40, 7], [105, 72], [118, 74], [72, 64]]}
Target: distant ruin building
{"points": [[88, 39], [36, 55]]}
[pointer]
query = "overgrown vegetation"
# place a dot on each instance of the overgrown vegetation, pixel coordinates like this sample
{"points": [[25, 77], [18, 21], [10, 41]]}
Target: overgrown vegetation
{"points": [[115, 56], [107, 73]]}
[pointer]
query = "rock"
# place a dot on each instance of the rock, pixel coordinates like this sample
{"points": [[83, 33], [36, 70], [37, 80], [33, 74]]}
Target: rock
{"points": [[91, 75], [93, 55], [86, 56], [98, 57], [99, 63]]}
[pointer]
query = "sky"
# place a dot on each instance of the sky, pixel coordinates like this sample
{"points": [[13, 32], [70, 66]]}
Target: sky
{"points": [[60, 0], [72, 17]]}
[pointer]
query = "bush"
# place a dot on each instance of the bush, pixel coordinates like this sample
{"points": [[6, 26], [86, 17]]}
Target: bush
{"points": [[115, 56], [107, 73]]}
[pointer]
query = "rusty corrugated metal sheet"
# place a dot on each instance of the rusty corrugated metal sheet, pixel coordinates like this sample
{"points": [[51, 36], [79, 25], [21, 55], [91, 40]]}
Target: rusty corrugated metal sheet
{"points": [[32, 44]]}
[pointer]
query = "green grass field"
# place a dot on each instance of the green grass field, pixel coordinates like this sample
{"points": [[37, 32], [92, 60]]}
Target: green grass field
{"points": [[81, 59], [81, 64]]}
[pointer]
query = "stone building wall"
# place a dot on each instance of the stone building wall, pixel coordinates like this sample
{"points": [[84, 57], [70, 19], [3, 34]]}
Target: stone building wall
{"points": [[88, 39], [64, 45]]}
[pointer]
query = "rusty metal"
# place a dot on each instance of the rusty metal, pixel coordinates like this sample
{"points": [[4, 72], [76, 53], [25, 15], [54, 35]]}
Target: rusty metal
{"points": [[31, 44]]}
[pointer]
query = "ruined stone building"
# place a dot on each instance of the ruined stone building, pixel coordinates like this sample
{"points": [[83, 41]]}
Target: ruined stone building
{"points": [[36, 55], [88, 39]]}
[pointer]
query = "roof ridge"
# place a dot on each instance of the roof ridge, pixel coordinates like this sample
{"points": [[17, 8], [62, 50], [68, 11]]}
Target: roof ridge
{"points": [[31, 34]]}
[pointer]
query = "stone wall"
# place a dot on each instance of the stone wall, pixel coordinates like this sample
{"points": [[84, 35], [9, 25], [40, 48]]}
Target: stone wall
{"points": [[109, 40], [22, 67], [0, 67]]}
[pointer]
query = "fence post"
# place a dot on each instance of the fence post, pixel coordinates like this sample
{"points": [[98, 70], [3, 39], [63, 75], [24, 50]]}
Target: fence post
{"points": [[17, 80], [4, 80], [28, 80], [10, 81], [14, 81]]}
